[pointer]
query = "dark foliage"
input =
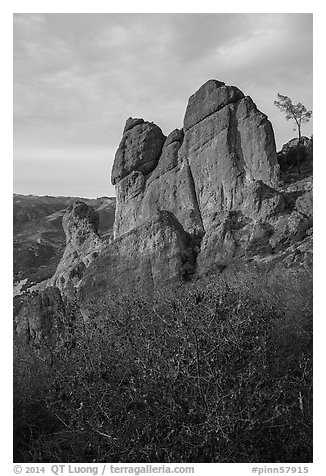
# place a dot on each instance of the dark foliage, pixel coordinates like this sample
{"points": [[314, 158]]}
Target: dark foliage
{"points": [[206, 373]]}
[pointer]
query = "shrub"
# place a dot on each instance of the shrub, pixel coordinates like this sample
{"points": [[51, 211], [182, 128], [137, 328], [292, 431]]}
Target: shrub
{"points": [[210, 372]]}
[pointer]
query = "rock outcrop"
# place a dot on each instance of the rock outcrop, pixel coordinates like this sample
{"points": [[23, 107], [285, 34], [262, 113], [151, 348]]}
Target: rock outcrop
{"points": [[204, 170], [222, 163], [155, 253], [42, 315], [293, 143], [292, 155], [139, 149], [83, 245]]}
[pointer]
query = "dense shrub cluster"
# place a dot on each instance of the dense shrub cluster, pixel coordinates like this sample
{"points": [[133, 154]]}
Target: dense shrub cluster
{"points": [[205, 373]]}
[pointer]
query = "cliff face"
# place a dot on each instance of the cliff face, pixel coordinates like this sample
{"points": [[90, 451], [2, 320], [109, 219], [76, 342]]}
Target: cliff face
{"points": [[153, 254]]}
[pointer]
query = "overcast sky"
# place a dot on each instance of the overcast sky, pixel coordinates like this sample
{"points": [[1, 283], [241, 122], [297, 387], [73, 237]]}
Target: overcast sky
{"points": [[78, 77]]}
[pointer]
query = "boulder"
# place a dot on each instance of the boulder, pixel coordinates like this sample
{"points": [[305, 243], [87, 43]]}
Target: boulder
{"points": [[210, 98], [41, 316], [132, 122], [176, 135], [139, 149]]}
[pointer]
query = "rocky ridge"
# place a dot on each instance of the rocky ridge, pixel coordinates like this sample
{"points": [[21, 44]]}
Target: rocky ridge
{"points": [[218, 176]]}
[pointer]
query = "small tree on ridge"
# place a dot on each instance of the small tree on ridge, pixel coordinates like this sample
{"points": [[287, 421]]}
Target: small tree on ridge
{"points": [[298, 113]]}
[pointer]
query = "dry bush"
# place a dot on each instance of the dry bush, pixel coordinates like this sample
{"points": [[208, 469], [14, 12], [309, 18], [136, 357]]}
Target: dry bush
{"points": [[214, 371]]}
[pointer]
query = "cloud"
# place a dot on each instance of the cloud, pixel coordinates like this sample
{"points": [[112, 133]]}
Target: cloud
{"points": [[77, 77], [24, 24]]}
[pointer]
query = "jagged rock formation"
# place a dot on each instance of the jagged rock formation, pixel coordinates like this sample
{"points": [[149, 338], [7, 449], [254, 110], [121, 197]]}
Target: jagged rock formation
{"points": [[83, 245], [204, 170], [221, 168], [42, 314], [202, 196]]}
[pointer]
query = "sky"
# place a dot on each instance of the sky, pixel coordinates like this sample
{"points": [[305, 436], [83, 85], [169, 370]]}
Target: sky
{"points": [[79, 76]]}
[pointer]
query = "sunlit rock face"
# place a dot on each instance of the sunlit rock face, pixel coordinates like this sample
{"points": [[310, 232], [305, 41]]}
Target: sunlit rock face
{"points": [[228, 144], [222, 161], [139, 149]]}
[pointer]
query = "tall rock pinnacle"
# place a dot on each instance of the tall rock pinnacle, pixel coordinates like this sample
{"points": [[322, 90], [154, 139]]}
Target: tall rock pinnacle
{"points": [[199, 173]]}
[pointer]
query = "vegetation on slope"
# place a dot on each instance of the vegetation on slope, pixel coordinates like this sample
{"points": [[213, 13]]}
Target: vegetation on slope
{"points": [[219, 370]]}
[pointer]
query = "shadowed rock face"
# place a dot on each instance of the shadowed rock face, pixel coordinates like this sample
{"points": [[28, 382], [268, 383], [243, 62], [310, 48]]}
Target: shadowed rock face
{"points": [[79, 216], [156, 252]]}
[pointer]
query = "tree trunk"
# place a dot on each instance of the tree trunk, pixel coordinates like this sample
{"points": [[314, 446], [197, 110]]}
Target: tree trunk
{"points": [[298, 151]]}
